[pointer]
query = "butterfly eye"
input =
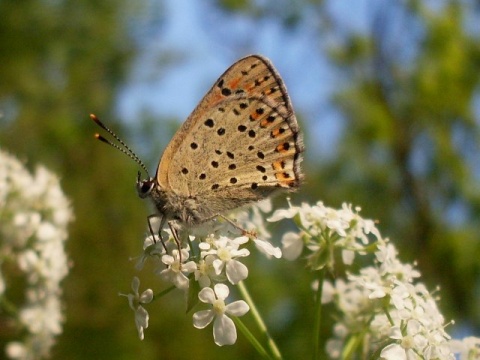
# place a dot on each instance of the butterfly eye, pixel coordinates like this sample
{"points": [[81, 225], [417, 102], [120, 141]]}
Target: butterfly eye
{"points": [[144, 187]]}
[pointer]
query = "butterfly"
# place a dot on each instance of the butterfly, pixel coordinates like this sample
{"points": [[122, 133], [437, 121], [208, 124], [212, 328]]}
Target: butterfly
{"points": [[241, 144]]}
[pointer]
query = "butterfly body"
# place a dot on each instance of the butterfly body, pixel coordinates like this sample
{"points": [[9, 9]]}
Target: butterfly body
{"points": [[192, 210], [240, 145]]}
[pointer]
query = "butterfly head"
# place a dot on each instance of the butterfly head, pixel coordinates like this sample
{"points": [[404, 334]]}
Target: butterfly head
{"points": [[145, 186]]}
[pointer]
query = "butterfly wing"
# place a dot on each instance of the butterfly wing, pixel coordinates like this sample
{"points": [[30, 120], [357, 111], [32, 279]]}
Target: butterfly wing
{"points": [[240, 144]]}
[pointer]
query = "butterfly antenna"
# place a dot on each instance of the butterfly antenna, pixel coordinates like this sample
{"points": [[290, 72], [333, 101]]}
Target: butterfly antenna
{"points": [[126, 150]]}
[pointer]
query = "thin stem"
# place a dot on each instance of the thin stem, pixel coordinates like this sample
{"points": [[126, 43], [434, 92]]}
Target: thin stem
{"points": [[192, 248], [164, 292], [318, 315], [250, 337], [387, 313], [258, 319]]}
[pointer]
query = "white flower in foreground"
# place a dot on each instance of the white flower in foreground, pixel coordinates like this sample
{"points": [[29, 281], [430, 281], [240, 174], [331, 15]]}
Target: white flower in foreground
{"points": [[176, 268], [226, 251], [205, 272], [224, 331], [135, 300]]}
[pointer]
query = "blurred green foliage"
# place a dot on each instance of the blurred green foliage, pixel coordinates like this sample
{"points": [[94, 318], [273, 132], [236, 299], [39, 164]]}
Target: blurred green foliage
{"points": [[408, 154]]}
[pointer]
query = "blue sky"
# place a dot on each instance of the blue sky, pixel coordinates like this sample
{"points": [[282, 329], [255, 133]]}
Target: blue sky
{"points": [[208, 41]]}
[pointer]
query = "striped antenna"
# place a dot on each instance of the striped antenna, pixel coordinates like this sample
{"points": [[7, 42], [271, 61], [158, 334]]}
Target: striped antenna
{"points": [[126, 150]]}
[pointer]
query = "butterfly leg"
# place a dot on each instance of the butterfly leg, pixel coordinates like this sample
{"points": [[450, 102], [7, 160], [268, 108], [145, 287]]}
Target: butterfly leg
{"points": [[162, 223], [172, 224], [250, 234]]}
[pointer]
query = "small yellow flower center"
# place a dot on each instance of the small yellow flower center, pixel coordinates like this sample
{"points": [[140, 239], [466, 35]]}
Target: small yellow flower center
{"points": [[224, 255], [176, 266], [219, 307], [202, 267], [407, 342]]}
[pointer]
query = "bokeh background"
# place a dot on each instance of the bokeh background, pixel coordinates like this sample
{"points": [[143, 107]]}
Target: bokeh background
{"points": [[387, 94]]}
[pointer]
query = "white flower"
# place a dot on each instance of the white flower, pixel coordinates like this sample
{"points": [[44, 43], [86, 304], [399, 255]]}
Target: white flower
{"points": [[322, 229], [292, 245], [41, 318], [205, 272], [406, 344], [405, 303], [17, 350], [226, 251], [47, 231], [176, 268], [224, 331], [34, 215], [135, 300], [152, 248], [383, 298]]}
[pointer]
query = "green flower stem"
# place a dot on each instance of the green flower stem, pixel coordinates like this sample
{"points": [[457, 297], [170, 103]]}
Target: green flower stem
{"points": [[387, 313], [250, 337], [163, 292], [258, 319], [318, 315]]}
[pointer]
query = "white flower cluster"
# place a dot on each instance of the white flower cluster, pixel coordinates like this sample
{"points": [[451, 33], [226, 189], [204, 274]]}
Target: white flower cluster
{"points": [[386, 309], [382, 311], [210, 259], [324, 229], [34, 215]]}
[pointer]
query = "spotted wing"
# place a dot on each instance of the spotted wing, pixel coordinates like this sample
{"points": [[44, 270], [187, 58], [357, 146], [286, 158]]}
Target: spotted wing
{"points": [[241, 143]]}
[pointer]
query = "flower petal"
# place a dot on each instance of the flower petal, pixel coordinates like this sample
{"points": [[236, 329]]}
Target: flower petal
{"points": [[237, 308], [348, 256], [207, 295], [283, 214], [202, 318], [146, 297], [292, 245], [141, 321], [168, 259], [222, 291], [236, 271], [224, 331], [268, 249], [189, 267], [218, 266], [180, 281], [393, 351], [240, 240], [135, 284]]}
